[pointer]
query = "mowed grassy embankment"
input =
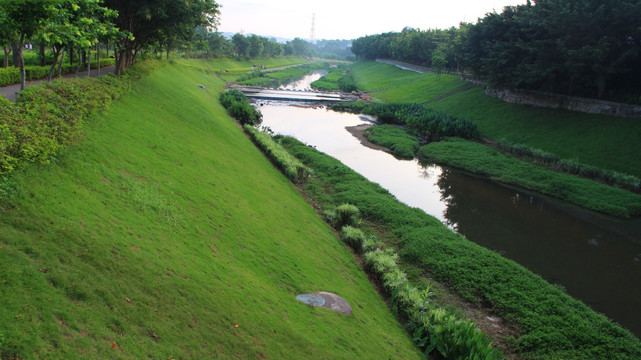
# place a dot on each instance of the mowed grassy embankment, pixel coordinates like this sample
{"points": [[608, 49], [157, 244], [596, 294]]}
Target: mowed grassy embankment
{"points": [[607, 142], [165, 233]]}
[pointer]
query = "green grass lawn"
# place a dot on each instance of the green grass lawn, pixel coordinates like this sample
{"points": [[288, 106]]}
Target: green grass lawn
{"points": [[423, 90], [604, 141], [402, 142], [370, 75], [164, 233]]}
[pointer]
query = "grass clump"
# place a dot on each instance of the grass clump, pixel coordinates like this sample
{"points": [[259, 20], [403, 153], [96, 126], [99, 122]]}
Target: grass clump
{"points": [[353, 237], [551, 324], [403, 143], [486, 161], [343, 215], [291, 167]]}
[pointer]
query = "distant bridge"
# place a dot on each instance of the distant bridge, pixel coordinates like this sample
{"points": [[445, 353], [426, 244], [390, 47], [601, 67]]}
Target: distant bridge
{"points": [[293, 95]]}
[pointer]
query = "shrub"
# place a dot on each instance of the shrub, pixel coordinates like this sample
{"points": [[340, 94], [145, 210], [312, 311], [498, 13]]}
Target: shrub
{"points": [[346, 83], [344, 215], [239, 107], [353, 237]]}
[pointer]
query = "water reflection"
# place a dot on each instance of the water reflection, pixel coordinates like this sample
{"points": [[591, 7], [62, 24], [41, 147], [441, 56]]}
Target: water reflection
{"points": [[597, 259], [303, 84]]}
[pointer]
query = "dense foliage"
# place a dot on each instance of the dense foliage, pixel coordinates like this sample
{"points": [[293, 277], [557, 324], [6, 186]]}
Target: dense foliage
{"points": [[552, 325], [239, 107], [578, 47], [431, 124]]}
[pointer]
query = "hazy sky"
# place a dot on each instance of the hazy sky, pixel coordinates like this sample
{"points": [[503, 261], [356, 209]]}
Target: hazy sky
{"points": [[349, 19]]}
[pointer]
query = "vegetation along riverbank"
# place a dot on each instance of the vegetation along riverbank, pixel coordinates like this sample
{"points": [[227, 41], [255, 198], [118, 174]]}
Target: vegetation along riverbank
{"points": [[549, 323]]}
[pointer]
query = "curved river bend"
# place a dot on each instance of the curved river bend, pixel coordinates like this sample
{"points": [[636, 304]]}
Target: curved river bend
{"points": [[595, 258]]}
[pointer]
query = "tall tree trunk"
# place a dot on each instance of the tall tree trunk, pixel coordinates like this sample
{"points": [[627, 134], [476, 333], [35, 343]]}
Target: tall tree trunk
{"points": [[78, 67], [62, 59], [56, 55], [17, 52], [120, 61], [98, 56], [43, 59], [71, 56], [89, 63], [7, 51]]}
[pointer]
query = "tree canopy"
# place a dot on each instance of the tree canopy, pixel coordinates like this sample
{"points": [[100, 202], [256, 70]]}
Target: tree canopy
{"points": [[576, 47]]}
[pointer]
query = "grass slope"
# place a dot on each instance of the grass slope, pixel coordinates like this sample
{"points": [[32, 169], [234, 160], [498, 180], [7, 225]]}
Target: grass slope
{"points": [[166, 234], [603, 141]]}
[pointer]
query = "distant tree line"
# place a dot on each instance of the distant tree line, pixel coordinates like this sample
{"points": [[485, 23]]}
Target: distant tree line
{"points": [[586, 48]]}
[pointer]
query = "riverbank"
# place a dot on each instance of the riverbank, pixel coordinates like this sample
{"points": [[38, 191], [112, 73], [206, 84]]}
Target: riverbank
{"points": [[503, 168], [607, 142], [545, 317]]}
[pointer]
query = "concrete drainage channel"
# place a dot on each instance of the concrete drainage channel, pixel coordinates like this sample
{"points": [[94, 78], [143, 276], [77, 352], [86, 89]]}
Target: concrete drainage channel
{"points": [[326, 300]]}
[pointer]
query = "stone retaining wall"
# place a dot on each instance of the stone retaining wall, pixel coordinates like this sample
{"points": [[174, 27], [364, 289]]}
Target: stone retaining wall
{"points": [[556, 101]]}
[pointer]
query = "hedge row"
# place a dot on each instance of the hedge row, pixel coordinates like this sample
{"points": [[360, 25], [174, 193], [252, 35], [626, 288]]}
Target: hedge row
{"points": [[47, 117], [11, 75], [433, 328], [292, 167]]}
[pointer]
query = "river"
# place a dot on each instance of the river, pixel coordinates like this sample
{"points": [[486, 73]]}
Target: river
{"points": [[597, 259]]}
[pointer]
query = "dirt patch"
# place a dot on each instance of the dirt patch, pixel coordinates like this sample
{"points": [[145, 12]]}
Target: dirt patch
{"points": [[358, 132]]}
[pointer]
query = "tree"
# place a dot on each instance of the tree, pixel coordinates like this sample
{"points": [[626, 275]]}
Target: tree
{"points": [[22, 20], [150, 22], [241, 44]]}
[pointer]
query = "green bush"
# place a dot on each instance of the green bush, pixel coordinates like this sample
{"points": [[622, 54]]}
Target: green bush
{"points": [[346, 83], [9, 76], [344, 215], [239, 107], [353, 237]]}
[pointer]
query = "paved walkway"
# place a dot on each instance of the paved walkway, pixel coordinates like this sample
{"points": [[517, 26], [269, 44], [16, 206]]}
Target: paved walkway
{"points": [[11, 91]]}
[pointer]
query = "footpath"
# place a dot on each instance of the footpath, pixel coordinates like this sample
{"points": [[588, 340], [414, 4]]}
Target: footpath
{"points": [[11, 91]]}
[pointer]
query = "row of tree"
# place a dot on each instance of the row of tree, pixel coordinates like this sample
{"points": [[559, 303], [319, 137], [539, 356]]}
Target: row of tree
{"points": [[576, 47], [80, 24]]}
